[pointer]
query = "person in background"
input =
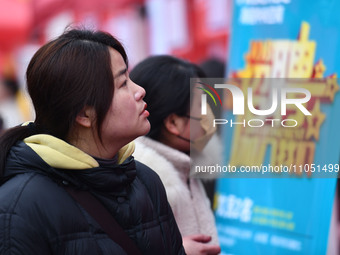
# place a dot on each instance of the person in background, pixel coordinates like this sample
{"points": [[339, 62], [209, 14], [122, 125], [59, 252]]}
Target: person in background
{"points": [[213, 68], [2, 129], [166, 147], [10, 111], [87, 113]]}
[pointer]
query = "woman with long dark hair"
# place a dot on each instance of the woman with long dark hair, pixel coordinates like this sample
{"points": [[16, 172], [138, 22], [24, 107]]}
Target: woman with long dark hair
{"points": [[69, 184]]}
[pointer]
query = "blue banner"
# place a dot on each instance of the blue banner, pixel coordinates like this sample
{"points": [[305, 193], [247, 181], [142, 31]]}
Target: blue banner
{"points": [[291, 215]]}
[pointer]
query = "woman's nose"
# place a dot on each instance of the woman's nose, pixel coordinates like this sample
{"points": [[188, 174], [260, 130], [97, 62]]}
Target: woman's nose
{"points": [[140, 93]]}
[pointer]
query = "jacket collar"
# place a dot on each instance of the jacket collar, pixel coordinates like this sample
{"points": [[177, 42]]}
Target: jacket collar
{"points": [[178, 159], [59, 154], [63, 162]]}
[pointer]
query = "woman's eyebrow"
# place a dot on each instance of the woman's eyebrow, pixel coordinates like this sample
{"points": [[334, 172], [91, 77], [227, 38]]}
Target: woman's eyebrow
{"points": [[120, 73]]}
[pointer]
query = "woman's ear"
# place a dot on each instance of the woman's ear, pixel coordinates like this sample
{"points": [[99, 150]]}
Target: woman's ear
{"points": [[174, 124], [86, 116]]}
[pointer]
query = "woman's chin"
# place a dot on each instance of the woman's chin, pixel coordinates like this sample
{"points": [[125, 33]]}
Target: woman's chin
{"points": [[145, 130]]}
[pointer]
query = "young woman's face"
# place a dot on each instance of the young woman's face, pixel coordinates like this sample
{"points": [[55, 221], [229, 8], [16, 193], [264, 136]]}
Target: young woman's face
{"points": [[195, 111], [126, 118], [191, 128]]}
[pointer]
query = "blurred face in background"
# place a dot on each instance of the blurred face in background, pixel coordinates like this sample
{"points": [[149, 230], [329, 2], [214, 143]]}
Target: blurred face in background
{"points": [[189, 126], [198, 128]]}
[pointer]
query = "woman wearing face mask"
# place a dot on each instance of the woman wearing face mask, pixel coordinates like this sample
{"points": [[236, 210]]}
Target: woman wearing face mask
{"points": [[68, 182], [166, 147]]}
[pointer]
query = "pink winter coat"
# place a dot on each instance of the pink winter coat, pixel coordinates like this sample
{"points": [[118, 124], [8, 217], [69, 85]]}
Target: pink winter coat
{"points": [[186, 196]]}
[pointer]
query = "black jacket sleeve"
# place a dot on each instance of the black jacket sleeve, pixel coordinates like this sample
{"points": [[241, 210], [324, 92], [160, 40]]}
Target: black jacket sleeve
{"points": [[157, 194], [19, 237]]}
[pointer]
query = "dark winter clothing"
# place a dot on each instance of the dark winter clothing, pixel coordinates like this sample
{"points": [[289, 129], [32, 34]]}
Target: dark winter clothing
{"points": [[37, 215]]}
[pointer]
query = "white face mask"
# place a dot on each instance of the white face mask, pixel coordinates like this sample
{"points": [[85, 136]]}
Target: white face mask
{"points": [[206, 123]]}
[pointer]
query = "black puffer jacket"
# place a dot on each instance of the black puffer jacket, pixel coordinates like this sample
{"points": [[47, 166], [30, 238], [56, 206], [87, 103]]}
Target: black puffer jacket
{"points": [[37, 216]]}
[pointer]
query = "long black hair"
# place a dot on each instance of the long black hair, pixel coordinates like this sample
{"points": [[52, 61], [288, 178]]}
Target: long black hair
{"points": [[64, 76]]}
